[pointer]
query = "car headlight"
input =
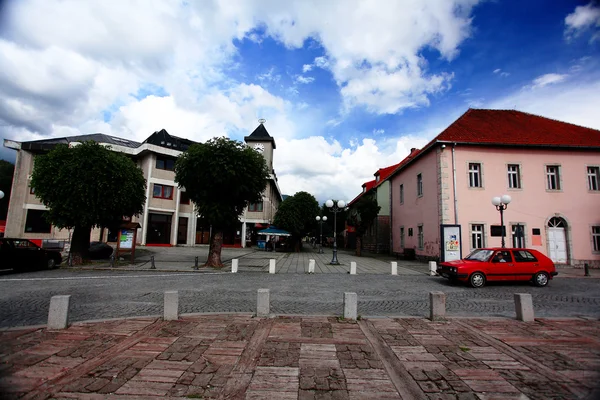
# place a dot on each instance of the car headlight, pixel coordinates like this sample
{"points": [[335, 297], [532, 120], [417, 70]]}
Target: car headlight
{"points": [[453, 269]]}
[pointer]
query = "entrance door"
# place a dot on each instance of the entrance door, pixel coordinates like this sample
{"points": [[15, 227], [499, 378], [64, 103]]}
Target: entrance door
{"points": [[182, 230], [159, 229], [557, 241]]}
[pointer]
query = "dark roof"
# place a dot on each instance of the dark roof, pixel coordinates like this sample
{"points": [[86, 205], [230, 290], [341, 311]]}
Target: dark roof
{"points": [[511, 127], [162, 138], [48, 144], [366, 187], [260, 134]]}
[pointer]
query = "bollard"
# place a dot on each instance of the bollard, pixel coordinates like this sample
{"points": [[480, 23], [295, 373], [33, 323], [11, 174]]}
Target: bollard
{"points": [[437, 306], [311, 266], [524, 307], [196, 263], [171, 306], [586, 269], [234, 265], [58, 315], [262, 303], [272, 266], [352, 268], [432, 268], [394, 268], [152, 266], [112, 260], [350, 307]]}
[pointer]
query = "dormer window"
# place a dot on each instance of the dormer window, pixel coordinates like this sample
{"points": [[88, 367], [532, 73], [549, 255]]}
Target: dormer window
{"points": [[377, 178]]}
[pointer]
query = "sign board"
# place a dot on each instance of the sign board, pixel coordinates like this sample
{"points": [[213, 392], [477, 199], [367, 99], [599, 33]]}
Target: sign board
{"points": [[126, 238], [497, 230], [451, 243]]}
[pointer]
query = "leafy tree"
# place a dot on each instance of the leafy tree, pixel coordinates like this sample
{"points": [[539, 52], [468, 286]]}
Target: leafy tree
{"points": [[367, 210], [296, 214], [6, 176], [87, 186], [221, 177]]}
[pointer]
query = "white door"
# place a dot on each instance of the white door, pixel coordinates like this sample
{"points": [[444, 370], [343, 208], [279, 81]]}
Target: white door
{"points": [[557, 241]]}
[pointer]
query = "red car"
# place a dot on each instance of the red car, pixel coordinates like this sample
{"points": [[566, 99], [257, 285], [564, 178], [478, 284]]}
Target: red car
{"points": [[500, 264]]}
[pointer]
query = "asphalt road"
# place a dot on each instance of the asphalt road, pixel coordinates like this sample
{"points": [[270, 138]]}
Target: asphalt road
{"points": [[25, 297]]}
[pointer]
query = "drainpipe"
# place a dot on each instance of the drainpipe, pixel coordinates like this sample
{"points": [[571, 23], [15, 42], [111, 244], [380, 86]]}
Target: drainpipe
{"points": [[454, 186]]}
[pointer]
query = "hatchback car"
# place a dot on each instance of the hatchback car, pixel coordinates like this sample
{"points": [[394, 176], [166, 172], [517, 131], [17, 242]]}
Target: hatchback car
{"points": [[20, 254], [500, 264]]}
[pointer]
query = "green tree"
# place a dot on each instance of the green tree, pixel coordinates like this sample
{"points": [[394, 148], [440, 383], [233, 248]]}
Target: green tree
{"points": [[296, 214], [367, 210], [87, 186], [6, 176], [221, 177]]}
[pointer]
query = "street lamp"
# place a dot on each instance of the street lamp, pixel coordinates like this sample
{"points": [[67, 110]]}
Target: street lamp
{"points": [[501, 204], [1, 194], [335, 208], [320, 221]]}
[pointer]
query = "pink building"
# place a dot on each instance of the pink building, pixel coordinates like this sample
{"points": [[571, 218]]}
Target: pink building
{"points": [[441, 197]]}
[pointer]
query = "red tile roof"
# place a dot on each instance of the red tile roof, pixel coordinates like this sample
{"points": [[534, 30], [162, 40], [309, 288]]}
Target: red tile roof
{"points": [[366, 187], [511, 127]]}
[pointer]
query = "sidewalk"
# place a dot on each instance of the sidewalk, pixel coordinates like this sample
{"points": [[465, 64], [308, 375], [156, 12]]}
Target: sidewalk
{"points": [[241, 357]]}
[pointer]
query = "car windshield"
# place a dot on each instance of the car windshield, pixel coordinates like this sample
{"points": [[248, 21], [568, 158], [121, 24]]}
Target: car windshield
{"points": [[480, 255]]}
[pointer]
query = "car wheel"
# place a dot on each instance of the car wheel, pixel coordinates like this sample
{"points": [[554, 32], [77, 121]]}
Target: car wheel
{"points": [[477, 280], [51, 263], [540, 279]]}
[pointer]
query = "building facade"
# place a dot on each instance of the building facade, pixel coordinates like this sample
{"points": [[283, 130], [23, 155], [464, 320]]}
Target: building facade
{"points": [[168, 219], [441, 198]]}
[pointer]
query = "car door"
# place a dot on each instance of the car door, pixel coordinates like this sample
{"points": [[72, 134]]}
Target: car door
{"points": [[525, 265], [501, 266], [26, 254], [6, 254]]}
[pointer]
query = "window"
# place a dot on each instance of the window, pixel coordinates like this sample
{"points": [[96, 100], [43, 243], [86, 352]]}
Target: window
{"points": [[593, 176], [419, 185], [165, 163], [31, 190], [477, 236], [552, 177], [514, 176], [36, 222], [257, 207], [518, 236], [524, 256], [474, 175], [402, 236], [163, 192], [184, 198], [402, 194], [596, 237], [420, 236]]}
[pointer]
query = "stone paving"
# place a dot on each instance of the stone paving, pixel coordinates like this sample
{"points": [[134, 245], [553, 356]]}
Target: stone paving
{"points": [[241, 357]]}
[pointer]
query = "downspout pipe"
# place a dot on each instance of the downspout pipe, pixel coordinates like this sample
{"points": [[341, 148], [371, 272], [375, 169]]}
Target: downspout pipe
{"points": [[454, 185]]}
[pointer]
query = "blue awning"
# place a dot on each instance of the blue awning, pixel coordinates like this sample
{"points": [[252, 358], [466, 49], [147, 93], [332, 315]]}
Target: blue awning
{"points": [[272, 231]]}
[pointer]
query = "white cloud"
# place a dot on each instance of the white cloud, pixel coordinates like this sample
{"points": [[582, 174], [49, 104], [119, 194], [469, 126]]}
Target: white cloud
{"points": [[500, 72], [306, 68], [583, 18], [547, 79], [304, 79], [378, 131]]}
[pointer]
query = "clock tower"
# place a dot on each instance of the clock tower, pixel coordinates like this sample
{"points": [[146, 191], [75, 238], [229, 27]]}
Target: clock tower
{"points": [[261, 141]]}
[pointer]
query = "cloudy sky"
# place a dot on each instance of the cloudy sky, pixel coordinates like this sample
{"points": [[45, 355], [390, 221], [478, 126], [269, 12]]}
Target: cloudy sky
{"points": [[346, 86]]}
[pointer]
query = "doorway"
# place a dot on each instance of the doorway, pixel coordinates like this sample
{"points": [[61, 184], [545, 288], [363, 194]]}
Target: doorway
{"points": [[182, 229], [557, 240], [159, 229]]}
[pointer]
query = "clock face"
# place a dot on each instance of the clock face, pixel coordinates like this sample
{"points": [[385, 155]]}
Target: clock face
{"points": [[259, 147]]}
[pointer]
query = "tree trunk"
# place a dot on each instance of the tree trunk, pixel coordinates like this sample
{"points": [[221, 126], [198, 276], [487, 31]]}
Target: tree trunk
{"points": [[80, 244], [214, 252], [358, 245]]}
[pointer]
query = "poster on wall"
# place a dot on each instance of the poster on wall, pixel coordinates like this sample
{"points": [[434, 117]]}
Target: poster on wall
{"points": [[451, 243]]}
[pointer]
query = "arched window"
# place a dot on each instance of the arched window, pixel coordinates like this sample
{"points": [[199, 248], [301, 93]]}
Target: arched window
{"points": [[556, 222]]}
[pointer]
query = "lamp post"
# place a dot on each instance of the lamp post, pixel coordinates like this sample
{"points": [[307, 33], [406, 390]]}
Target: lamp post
{"points": [[335, 208], [320, 220], [1, 194], [501, 204]]}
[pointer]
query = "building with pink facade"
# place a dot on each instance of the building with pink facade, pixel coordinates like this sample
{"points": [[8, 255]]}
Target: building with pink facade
{"points": [[441, 197]]}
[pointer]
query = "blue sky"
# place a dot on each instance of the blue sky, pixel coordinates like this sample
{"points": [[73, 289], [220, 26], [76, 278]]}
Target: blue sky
{"points": [[346, 87]]}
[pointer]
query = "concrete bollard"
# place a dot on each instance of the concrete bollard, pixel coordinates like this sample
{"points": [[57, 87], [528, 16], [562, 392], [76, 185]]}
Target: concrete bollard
{"points": [[350, 306], [352, 268], [311, 266], [234, 265], [262, 303], [524, 307], [171, 308], [586, 270], [394, 268], [437, 305], [152, 265], [58, 315], [196, 263], [272, 266], [432, 268]]}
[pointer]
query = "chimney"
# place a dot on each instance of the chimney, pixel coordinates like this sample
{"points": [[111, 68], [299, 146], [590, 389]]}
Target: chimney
{"points": [[412, 151]]}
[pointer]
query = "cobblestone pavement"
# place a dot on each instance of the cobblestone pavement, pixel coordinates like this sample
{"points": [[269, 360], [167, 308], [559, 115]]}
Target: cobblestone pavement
{"points": [[25, 297], [241, 357]]}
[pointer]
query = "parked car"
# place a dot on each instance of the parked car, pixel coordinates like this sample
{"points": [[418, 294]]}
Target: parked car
{"points": [[20, 254], [100, 251], [500, 264]]}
